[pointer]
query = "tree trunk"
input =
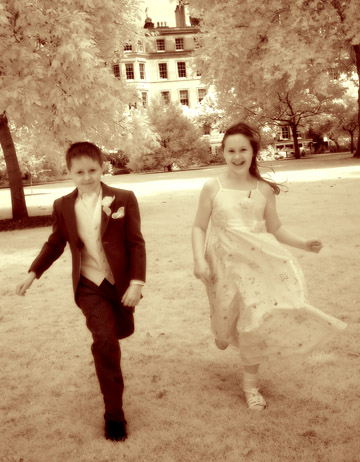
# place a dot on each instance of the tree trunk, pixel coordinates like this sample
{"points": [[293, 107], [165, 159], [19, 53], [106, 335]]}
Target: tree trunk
{"points": [[295, 140], [357, 60], [13, 170], [332, 138]]}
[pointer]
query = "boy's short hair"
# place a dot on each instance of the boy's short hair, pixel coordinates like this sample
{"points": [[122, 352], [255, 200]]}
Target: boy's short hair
{"points": [[83, 149]]}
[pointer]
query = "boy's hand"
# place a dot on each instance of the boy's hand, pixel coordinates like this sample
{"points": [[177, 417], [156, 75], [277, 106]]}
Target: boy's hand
{"points": [[313, 245], [23, 286], [132, 295]]}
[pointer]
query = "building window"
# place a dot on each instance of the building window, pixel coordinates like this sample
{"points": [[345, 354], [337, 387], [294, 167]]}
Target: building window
{"points": [[163, 71], [179, 44], [181, 69], [184, 97], [128, 47], [160, 45], [144, 98], [129, 68], [201, 94], [142, 71], [116, 70], [140, 46], [207, 129], [334, 74], [165, 96], [285, 133]]}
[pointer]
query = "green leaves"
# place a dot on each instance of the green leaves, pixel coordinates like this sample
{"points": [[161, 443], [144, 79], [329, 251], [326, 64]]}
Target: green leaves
{"points": [[53, 72], [258, 50]]}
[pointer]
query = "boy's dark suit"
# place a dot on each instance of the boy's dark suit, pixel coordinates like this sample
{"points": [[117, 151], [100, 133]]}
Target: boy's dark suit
{"points": [[106, 317]]}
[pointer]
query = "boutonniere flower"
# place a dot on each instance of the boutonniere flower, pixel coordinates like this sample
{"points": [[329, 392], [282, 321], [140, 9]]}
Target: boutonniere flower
{"points": [[119, 214], [106, 202]]}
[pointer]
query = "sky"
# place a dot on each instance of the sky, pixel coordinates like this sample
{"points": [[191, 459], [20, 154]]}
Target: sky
{"points": [[161, 11]]}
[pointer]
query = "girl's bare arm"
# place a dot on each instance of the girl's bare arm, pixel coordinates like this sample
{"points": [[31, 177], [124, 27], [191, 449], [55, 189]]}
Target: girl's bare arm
{"points": [[275, 227], [201, 222]]}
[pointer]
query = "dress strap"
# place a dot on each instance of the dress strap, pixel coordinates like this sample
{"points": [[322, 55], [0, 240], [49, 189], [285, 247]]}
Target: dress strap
{"points": [[219, 182]]}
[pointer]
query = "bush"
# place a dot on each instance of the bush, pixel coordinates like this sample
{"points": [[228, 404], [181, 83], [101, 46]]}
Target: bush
{"points": [[341, 148], [117, 158], [217, 159], [108, 169], [267, 154], [180, 140]]}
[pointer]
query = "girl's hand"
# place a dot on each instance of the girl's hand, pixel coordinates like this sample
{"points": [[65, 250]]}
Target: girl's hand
{"points": [[23, 286], [202, 272], [313, 245]]}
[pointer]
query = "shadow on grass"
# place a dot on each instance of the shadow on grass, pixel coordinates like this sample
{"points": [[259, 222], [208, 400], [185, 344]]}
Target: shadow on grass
{"points": [[10, 224]]}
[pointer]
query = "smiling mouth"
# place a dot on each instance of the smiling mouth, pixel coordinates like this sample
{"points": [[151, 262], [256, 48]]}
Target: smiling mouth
{"points": [[238, 164]]}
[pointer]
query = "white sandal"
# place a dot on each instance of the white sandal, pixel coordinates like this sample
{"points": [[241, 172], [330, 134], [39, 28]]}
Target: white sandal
{"points": [[254, 399]]}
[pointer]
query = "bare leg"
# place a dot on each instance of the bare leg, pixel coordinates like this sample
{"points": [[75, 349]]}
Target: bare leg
{"points": [[252, 369]]}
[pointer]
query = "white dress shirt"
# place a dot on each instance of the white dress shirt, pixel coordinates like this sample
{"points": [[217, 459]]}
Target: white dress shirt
{"points": [[94, 264]]}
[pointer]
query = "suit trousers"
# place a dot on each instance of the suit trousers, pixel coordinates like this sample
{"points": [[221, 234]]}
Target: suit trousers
{"points": [[99, 304]]}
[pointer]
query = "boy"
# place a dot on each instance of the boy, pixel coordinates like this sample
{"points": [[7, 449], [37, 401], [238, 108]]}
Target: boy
{"points": [[102, 226]]}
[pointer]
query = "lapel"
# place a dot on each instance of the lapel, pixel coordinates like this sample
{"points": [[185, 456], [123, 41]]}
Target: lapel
{"points": [[105, 219], [68, 211]]}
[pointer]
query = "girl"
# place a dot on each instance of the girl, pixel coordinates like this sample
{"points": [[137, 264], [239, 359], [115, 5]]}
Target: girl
{"points": [[255, 287]]}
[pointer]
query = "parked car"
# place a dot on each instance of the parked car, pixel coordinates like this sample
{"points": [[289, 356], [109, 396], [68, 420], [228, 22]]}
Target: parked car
{"points": [[284, 154], [172, 167]]}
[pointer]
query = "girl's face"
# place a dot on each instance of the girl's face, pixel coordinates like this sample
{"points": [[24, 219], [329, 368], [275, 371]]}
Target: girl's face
{"points": [[238, 153]]}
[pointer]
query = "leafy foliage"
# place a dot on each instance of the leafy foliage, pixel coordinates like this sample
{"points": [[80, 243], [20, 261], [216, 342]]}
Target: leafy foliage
{"points": [[141, 141], [261, 51], [180, 139], [340, 122], [55, 72], [207, 113]]}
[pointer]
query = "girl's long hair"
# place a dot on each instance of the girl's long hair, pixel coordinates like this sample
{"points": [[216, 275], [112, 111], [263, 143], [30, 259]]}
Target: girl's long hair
{"points": [[253, 136]]}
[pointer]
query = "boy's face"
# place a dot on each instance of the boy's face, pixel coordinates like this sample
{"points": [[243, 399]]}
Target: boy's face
{"points": [[86, 174]]}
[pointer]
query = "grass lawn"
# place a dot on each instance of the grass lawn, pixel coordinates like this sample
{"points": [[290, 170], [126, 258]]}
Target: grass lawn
{"points": [[183, 397]]}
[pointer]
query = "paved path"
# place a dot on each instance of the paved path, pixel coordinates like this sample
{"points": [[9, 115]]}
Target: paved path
{"points": [[39, 199]]}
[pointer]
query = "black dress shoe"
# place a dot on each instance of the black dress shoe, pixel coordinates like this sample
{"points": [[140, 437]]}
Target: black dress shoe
{"points": [[115, 431]]}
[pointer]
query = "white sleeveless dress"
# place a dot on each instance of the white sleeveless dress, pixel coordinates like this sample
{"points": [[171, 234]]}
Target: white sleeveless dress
{"points": [[257, 292]]}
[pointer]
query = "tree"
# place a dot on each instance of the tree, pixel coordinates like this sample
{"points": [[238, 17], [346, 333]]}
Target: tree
{"points": [[346, 117], [35, 157], [56, 76], [180, 139], [339, 122], [206, 114], [244, 50], [308, 98], [141, 142]]}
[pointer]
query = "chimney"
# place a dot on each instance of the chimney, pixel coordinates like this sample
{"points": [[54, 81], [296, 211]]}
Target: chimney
{"points": [[180, 15], [148, 24]]}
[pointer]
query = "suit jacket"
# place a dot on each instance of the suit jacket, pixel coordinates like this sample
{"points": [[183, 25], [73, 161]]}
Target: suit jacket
{"points": [[122, 240]]}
